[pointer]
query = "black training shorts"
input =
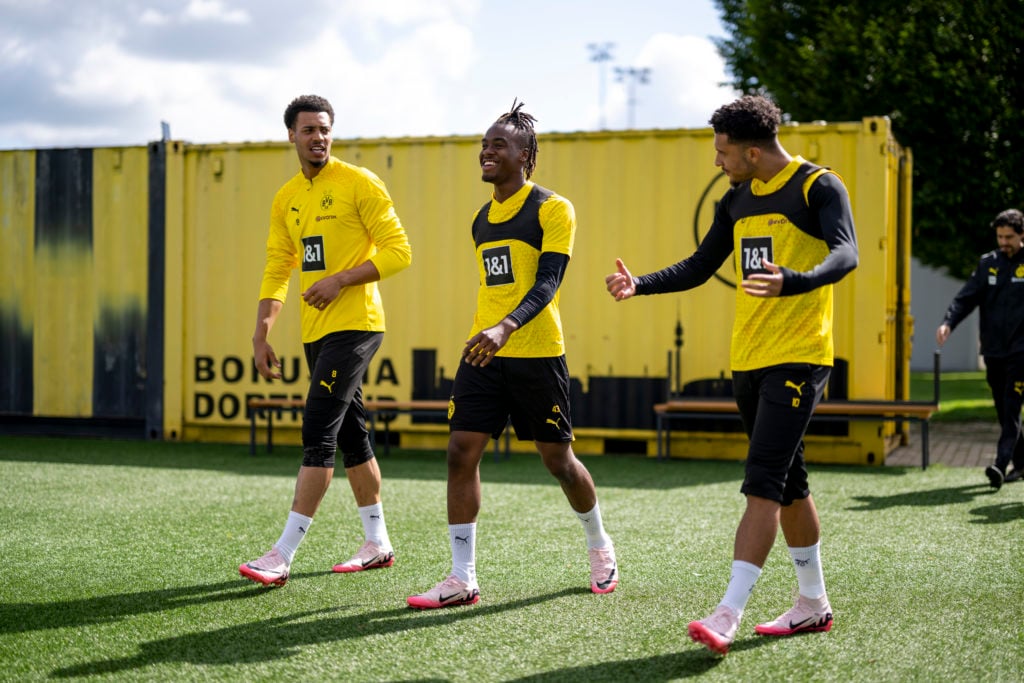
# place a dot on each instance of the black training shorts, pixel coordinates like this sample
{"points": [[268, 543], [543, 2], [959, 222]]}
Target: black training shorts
{"points": [[776, 404], [532, 392], [334, 414]]}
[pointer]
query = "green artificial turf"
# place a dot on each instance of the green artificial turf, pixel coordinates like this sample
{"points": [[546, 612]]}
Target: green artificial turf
{"points": [[120, 563]]}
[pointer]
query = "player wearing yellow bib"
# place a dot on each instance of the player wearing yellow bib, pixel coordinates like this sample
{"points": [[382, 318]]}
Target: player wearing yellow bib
{"points": [[789, 226], [514, 362], [336, 223]]}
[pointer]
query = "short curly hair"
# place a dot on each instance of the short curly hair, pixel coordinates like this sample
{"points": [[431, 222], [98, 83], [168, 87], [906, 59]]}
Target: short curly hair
{"points": [[313, 103], [751, 118], [1011, 218]]}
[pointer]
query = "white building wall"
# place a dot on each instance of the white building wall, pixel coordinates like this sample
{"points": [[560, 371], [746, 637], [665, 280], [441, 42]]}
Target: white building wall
{"points": [[931, 292]]}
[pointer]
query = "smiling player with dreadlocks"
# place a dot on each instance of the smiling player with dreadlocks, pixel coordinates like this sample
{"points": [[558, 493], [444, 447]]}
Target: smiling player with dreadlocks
{"points": [[514, 362]]}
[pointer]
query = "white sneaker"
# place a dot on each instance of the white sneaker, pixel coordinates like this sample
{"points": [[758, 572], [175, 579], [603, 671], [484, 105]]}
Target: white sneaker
{"points": [[369, 556], [449, 593], [604, 573], [269, 569], [717, 631], [805, 616]]}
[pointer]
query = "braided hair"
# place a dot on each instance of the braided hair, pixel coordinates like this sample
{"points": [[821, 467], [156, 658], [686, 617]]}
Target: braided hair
{"points": [[523, 124]]}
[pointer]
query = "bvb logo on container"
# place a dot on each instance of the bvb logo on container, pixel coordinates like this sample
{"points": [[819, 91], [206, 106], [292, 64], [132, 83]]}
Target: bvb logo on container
{"points": [[704, 216]]}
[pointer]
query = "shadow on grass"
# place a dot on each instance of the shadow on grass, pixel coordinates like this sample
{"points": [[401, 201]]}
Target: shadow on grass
{"points": [[22, 617], [694, 660], [1000, 513], [285, 636], [947, 496], [633, 471]]}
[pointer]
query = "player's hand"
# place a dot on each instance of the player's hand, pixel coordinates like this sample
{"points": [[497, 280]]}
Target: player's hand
{"points": [[486, 343], [265, 359], [322, 292], [620, 284], [942, 334], [764, 284]]}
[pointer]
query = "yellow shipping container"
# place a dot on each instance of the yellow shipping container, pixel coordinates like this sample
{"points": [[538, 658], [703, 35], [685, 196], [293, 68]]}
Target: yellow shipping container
{"points": [[644, 196]]}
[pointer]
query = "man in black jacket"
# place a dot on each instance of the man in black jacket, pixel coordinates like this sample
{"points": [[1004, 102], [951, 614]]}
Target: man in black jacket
{"points": [[996, 288]]}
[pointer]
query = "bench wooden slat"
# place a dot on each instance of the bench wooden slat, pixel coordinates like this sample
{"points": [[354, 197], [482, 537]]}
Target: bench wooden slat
{"points": [[860, 408], [919, 411]]}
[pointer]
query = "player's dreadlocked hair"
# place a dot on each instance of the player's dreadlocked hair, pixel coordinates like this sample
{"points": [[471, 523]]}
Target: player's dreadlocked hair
{"points": [[523, 123]]}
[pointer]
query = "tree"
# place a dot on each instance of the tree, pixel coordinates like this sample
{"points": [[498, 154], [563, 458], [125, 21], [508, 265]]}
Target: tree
{"points": [[948, 74]]}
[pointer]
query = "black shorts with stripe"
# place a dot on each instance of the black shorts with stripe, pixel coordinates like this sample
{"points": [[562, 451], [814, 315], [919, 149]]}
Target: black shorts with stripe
{"points": [[531, 392]]}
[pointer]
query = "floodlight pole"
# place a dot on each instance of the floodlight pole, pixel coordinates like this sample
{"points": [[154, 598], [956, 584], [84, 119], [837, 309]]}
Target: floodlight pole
{"points": [[633, 76], [601, 53]]}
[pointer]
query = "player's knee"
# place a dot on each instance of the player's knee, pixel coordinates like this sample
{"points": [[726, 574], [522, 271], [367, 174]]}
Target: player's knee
{"points": [[563, 466], [319, 455]]}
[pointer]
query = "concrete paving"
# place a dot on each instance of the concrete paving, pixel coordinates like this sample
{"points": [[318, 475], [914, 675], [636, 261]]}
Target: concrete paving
{"points": [[955, 444]]}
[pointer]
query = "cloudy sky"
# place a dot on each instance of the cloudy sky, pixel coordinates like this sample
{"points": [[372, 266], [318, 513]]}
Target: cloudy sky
{"points": [[107, 72]]}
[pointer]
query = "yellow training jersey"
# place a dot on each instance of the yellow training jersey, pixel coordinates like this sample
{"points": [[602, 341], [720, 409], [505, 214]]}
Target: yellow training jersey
{"points": [[336, 221], [784, 329], [510, 237], [801, 221]]}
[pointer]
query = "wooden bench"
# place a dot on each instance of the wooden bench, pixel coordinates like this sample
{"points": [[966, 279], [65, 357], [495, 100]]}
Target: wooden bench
{"points": [[684, 408], [266, 407]]}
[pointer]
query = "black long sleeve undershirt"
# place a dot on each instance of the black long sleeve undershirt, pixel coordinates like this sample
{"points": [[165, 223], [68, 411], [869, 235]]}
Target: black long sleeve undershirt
{"points": [[550, 272], [837, 229]]}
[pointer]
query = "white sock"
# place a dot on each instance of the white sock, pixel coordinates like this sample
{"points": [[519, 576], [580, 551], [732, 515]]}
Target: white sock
{"points": [[463, 541], [808, 570], [594, 528], [294, 531], [741, 585], [374, 527]]}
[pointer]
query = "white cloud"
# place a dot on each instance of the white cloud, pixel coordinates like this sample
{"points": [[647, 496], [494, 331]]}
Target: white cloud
{"points": [[214, 10], [153, 17], [411, 82], [391, 68], [684, 85], [203, 102], [13, 51], [41, 135], [395, 95], [370, 15]]}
